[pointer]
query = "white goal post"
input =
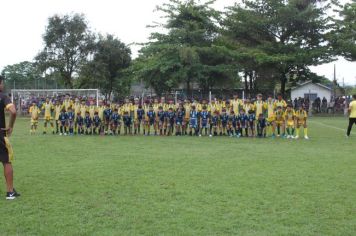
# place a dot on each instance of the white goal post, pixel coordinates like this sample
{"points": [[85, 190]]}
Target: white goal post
{"points": [[18, 95]]}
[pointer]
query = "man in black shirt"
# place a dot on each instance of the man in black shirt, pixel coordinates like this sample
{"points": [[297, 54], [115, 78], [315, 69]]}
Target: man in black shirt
{"points": [[6, 154]]}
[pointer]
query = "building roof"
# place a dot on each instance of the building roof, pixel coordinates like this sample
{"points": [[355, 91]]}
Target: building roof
{"points": [[311, 82]]}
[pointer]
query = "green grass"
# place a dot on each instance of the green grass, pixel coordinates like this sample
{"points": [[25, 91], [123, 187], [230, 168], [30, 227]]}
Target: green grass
{"points": [[183, 185]]}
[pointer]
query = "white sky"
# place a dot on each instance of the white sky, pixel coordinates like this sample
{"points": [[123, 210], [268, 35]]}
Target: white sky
{"points": [[22, 24]]}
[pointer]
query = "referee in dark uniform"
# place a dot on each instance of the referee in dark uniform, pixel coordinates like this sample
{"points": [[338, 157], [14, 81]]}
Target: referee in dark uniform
{"points": [[6, 154]]}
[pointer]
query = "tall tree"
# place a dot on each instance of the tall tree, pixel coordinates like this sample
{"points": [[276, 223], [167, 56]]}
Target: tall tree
{"points": [[24, 75], [68, 42], [186, 52], [344, 37], [287, 35], [106, 70]]}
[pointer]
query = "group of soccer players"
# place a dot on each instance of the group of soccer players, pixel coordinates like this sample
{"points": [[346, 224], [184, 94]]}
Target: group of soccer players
{"points": [[234, 117]]}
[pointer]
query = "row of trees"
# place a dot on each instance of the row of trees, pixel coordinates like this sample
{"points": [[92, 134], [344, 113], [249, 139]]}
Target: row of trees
{"points": [[259, 45]]}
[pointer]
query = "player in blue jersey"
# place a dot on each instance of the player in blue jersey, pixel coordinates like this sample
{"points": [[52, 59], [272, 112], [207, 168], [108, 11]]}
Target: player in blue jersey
{"points": [[179, 120], [214, 123], [70, 120], [261, 126], [115, 123], [96, 123], [231, 124], [161, 115], [224, 118], [88, 122], [170, 116], [151, 119], [107, 118], [79, 123], [204, 121], [140, 119], [243, 123], [127, 120], [63, 122], [251, 122], [193, 121]]}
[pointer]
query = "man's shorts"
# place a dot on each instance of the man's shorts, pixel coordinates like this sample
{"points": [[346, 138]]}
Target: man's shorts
{"points": [[290, 123], [48, 118], [6, 153], [34, 122]]}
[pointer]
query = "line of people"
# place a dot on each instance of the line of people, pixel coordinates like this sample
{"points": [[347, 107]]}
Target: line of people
{"points": [[234, 117]]}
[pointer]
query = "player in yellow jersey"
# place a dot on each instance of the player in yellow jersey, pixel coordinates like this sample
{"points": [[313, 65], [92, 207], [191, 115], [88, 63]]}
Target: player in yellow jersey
{"points": [[67, 102], [92, 109], [76, 108], [48, 109], [301, 121], [57, 110], [248, 106], [135, 116], [83, 109], [187, 108], [280, 102], [236, 104], [289, 116], [269, 106], [259, 106], [34, 112], [279, 122]]}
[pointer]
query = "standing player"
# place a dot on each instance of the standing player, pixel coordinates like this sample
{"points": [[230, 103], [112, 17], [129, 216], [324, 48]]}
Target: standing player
{"points": [[115, 125], [224, 118], [127, 119], [204, 120], [243, 123], [251, 122], [57, 110], [151, 119], [352, 117], [48, 109], [34, 111], [214, 123], [193, 121], [179, 120], [301, 120], [280, 102], [140, 113], [107, 117], [270, 106], [96, 123], [161, 115], [6, 153], [170, 120]]}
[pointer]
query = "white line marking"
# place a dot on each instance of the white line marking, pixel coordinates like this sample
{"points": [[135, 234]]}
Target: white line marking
{"points": [[329, 126]]}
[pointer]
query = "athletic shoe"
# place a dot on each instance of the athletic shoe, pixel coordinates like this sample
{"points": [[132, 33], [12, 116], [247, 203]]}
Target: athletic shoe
{"points": [[12, 195], [306, 137], [296, 137]]}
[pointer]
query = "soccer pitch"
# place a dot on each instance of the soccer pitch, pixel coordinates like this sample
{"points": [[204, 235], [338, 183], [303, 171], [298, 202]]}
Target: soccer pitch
{"points": [[183, 185]]}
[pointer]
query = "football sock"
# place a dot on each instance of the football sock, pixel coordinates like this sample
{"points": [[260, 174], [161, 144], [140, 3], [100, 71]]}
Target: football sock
{"points": [[297, 131], [305, 131]]}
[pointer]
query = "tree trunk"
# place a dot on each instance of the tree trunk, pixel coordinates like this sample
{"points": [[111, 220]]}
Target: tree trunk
{"points": [[283, 84], [188, 88], [246, 83]]}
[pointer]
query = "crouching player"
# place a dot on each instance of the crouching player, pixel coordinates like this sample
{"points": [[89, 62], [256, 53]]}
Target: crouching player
{"points": [[79, 123], [290, 121], [232, 124], [279, 122], [204, 121], [161, 115], [88, 123], [96, 123], [70, 120], [115, 125], [301, 120], [261, 126], [140, 119], [224, 118]]}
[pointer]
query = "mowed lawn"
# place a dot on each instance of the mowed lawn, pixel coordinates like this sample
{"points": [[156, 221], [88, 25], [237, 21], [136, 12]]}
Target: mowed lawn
{"points": [[183, 185]]}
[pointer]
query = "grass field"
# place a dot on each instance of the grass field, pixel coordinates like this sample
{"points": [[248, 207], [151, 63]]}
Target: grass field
{"points": [[183, 185]]}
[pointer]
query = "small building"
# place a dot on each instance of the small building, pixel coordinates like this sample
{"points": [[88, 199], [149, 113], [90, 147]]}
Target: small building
{"points": [[311, 90]]}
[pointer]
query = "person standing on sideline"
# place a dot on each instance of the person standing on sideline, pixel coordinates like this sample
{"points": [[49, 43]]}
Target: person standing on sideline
{"points": [[352, 112], [6, 154]]}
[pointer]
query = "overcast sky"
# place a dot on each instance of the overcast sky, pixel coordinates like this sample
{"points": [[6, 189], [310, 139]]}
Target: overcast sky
{"points": [[22, 24]]}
